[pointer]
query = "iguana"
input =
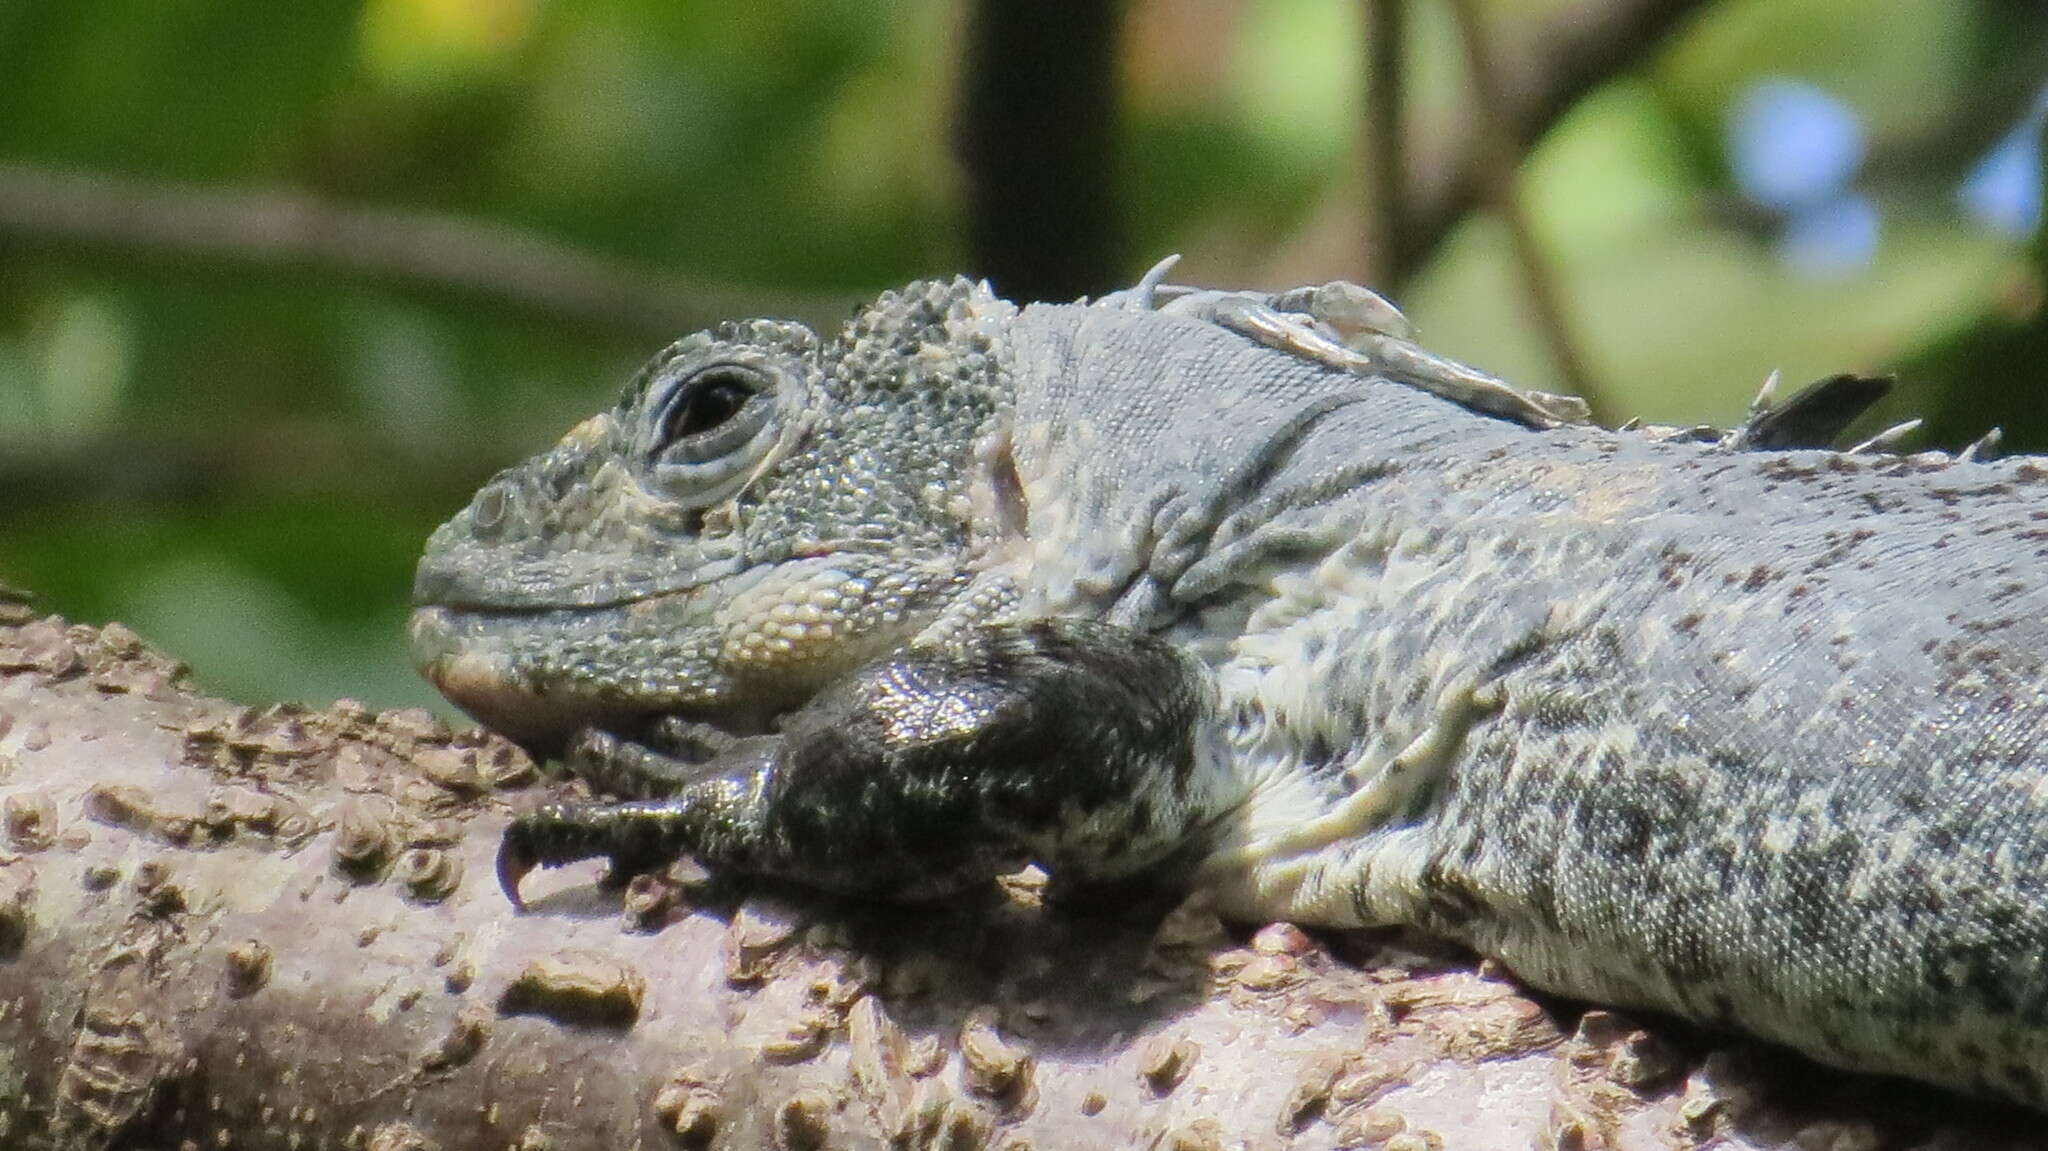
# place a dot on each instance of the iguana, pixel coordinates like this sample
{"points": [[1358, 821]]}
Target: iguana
{"points": [[1248, 591]]}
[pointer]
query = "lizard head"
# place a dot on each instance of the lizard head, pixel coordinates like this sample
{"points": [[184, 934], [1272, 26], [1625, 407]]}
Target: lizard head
{"points": [[760, 512]]}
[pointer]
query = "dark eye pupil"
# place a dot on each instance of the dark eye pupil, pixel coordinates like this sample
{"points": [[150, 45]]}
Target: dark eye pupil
{"points": [[707, 406]]}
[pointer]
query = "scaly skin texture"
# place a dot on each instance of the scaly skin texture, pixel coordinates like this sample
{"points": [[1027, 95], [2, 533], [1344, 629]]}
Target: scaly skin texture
{"points": [[1179, 583]]}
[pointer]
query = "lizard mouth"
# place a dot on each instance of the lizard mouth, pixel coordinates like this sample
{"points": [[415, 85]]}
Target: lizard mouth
{"points": [[539, 668], [493, 667], [486, 681], [736, 653]]}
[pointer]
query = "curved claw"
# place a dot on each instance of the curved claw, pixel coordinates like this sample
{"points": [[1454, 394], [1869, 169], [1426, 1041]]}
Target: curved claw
{"points": [[1151, 280], [516, 858], [1143, 296], [633, 836]]}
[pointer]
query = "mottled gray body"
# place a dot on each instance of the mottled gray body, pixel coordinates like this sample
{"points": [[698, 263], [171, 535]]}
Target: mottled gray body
{"points": [[1753, 737], [1767, 735]]}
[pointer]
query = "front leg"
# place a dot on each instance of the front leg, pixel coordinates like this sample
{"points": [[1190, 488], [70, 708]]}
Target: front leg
{"points": [[659, 760], [1087, 748]]}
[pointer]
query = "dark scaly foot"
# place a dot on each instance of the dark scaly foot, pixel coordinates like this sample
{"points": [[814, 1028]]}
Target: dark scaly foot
{"points": [[633, 836], [1081, 746], [661, 759]]}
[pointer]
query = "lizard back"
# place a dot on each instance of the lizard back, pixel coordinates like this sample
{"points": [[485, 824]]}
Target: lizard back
{"points": [[1753, 737]]}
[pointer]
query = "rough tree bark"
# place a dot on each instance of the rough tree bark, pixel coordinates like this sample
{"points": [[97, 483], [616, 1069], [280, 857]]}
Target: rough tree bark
{"points": [[276, 928]]}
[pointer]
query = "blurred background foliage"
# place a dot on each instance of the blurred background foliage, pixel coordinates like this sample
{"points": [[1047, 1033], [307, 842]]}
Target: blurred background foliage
{"points": [[280, 285]]}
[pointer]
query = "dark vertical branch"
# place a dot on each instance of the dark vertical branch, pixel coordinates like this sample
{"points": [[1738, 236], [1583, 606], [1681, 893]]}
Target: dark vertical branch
{"points": [[1036, 135], [1385, 115], [1500, 158]]}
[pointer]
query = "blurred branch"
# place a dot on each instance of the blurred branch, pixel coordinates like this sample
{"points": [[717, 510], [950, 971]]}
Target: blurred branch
{"points": [[1500, 159], [1385, 121], [2008, 56], [171, 462], [412, 249], [1036, 138], [1555, 60]]}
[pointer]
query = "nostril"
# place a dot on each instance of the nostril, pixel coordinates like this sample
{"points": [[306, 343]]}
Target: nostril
{"points": [[487, 511]]}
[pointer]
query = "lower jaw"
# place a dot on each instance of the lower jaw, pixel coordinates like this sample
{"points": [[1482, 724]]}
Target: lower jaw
{"points": [[484, 681], [490, 685], [541, 721]]}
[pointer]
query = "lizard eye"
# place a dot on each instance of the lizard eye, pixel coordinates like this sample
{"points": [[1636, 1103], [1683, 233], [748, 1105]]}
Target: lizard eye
{"points": [[711, 430], [706, 403]]}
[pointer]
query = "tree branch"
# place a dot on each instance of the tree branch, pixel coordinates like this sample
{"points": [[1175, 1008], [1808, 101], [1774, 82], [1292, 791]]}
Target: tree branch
{"points": [[1386, 215], [1036, 134], [290, 231], [277, 928], [1502, 177], [1557, 60], [1051, 220]]}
